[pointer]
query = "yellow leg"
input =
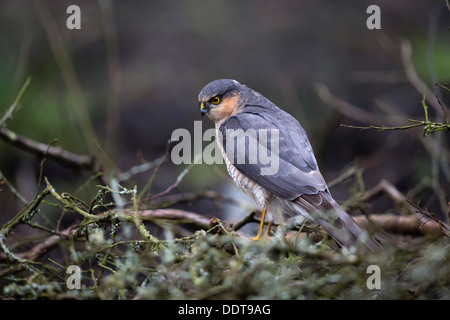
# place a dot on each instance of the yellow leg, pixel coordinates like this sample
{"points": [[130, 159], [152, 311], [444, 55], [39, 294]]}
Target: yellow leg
{"points": [[261, 225], [269, 226]]}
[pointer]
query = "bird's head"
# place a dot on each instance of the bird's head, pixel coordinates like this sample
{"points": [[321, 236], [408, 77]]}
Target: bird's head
{"points": [[219, 99]]}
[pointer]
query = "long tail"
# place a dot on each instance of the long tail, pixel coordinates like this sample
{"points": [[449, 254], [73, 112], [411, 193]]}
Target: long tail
{"points": [[324, 210]]}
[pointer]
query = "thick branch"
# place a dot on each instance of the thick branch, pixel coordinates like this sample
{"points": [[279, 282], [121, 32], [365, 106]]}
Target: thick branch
{"points": [[405, 225], [56, 154], [181, 216], [43, 246]]}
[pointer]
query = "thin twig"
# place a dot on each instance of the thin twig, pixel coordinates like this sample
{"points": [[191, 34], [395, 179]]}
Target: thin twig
{"points": [[443, 86], [432, 217], [427, 125], [26, 213], [149, 183], [443, 110], [383, 128], [139, 169], [13, 189], [347, 174], [8, 114], [175, 184], [391, 191], [343, 106]]}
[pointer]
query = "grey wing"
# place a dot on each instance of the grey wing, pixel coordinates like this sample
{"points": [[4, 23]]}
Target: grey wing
{"points": [[297, 172]]}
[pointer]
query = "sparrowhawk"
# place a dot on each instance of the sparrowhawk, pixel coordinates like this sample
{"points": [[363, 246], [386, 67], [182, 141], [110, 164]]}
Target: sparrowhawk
{"points": [[295, 188]]}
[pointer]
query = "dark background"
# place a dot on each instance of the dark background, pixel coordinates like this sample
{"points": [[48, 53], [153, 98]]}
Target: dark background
{"points": [[133, 72]]}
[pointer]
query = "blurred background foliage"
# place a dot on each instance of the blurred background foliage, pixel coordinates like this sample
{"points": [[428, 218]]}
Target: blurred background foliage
{"points": [[130, 77]]}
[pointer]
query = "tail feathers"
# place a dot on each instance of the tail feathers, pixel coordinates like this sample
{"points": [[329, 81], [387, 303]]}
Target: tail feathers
{"points": [[337, 222]]}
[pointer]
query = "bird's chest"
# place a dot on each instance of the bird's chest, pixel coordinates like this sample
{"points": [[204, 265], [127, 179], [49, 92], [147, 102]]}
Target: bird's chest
{"points": [[258, 193]]}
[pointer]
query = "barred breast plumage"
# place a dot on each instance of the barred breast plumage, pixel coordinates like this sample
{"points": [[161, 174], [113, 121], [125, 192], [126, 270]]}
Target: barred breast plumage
{"points": [[250, 187]]}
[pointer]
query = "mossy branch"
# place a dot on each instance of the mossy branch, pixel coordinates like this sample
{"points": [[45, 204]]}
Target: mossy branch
{"points": [[25, 214], [69, 204]]}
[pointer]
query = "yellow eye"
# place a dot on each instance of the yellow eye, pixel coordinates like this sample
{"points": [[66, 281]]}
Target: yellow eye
{"points": [[215, 100]]}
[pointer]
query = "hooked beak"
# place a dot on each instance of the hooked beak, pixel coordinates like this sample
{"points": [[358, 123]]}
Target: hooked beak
{"points": [[203, 109]]}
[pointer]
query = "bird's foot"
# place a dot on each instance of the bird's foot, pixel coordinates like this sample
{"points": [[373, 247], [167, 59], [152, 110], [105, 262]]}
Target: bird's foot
{"points": [[267, 235]]}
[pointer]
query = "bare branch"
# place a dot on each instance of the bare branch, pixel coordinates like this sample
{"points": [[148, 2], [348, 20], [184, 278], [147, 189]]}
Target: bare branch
{"points": [[343, 106], [56, 154], [403, 225], [247, 219], [181, 216], [427, 125], [445, 86], [43, 246]]}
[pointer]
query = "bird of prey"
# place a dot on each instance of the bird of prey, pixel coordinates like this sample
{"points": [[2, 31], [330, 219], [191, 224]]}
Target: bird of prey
{"points": [[294, 188]]}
